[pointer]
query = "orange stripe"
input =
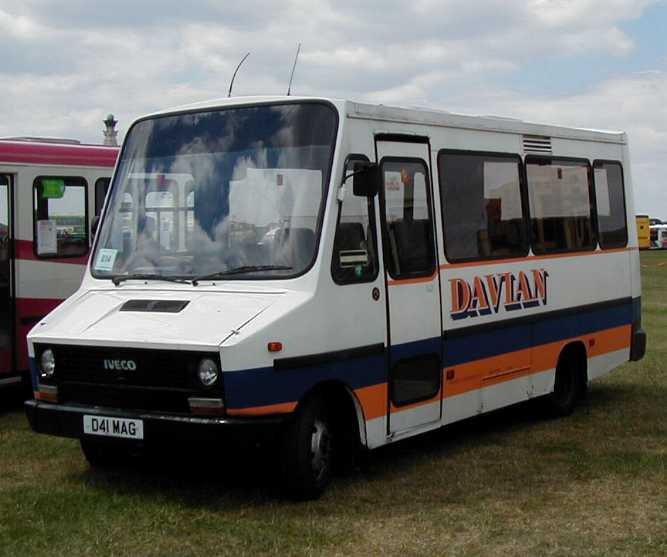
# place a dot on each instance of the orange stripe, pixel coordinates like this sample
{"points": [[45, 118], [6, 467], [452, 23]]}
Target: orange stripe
{"points": [[397, 409], [533, 258], [506, 367], [472, 375], [420, 280], [282, 408], [373, 400], [469, 376]]}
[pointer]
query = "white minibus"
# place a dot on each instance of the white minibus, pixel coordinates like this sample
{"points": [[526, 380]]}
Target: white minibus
{"points": [[328, 276]]}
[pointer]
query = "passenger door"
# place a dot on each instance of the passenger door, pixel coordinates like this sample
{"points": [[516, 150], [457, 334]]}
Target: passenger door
{"points": [[6, 291], [413, 291]]}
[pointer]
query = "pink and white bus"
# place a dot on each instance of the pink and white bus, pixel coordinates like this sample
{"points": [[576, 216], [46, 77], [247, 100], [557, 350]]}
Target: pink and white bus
{"points": [[50, 190]]}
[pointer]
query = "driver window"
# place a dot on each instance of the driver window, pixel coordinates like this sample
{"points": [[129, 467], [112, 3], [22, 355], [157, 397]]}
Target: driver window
{"points": [[355, 253]]}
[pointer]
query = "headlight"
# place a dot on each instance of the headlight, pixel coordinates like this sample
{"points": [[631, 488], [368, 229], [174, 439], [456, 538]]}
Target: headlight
{"points": [[208, 372], [47, 364]]}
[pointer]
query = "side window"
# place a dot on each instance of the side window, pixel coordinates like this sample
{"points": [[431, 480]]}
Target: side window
{"points": [[408, 224], [355, 250], [610, 202], [482, 209], [60, 219], [559, 194], [101, 188]]}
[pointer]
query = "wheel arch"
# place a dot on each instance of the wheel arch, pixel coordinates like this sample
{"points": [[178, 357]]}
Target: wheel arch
{"points": [[345, 405], [576, 350]]}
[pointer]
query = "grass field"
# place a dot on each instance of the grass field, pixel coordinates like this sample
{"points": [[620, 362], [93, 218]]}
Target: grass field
{"points": [[506, 484]]}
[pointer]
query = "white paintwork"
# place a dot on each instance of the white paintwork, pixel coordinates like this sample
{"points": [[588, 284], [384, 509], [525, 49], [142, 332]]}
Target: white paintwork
{"points": [[311, 314], [599, 365]]}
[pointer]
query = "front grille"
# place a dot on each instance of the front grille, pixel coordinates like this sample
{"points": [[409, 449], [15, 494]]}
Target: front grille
{"points": [[154, 368], [128, 378], [114, 396]]}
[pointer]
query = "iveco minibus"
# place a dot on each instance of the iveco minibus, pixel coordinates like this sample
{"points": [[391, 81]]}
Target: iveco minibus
{"points": [[339, 276]]}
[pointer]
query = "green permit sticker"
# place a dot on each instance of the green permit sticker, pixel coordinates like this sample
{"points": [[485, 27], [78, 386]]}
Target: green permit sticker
{"points": [[53, 188]]}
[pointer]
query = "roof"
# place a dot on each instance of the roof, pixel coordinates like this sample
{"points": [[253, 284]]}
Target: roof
{"points": [[34, 152], [421, 116]]}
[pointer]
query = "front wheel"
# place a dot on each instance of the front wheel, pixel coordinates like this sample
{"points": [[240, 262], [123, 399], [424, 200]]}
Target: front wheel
{"points": [[307, 452]]}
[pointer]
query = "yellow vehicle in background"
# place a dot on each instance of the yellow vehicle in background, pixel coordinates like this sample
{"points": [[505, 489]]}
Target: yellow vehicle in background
{"points": [[643, 231]]}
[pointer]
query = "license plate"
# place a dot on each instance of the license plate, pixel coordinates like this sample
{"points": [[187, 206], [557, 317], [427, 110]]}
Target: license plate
{"points": [[113, 427]]}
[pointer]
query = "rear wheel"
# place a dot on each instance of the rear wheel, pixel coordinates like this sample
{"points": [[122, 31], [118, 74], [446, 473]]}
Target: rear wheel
{"points": [[308, 451], [568, 386]]}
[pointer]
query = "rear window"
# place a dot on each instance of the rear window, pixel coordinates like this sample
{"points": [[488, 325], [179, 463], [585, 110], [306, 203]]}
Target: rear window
{"points": [[610, 202]]}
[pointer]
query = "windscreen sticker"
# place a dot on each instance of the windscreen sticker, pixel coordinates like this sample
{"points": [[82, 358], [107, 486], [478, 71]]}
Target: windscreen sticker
{"points": [[105, 259]]}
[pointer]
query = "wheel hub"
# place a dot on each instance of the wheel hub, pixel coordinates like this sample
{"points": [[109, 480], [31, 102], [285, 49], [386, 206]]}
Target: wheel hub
{"points": [[320, 446]]}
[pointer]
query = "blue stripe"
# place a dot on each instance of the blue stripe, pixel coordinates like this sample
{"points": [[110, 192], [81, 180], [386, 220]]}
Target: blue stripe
{"points": [[494, 342], [265, 386]]}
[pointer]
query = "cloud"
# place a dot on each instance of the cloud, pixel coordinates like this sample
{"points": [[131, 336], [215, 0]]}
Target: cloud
{"points": [[65, 65], [634, 104]]}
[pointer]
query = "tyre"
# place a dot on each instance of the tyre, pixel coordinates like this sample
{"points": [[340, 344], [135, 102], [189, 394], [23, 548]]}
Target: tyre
{"points": [[567, 386], [308, 451]]}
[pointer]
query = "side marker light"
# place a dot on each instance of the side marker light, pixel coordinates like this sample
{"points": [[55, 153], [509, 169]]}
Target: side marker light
{"points": [[275, 346]]}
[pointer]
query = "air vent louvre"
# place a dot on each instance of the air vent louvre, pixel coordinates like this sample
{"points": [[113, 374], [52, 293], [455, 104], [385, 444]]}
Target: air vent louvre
{"points": [[155, 306], [537, 144]]}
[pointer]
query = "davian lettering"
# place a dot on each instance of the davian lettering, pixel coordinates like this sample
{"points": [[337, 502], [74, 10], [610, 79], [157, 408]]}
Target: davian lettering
{"points": [[488, 294]]}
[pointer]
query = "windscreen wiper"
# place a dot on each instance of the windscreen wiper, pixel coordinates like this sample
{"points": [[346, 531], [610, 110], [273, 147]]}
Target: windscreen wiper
{"points": [[240, 270], [117, 279]]}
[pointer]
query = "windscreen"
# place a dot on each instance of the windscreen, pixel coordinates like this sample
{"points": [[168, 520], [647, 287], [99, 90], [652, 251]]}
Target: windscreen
{"points": [[236, 191]]}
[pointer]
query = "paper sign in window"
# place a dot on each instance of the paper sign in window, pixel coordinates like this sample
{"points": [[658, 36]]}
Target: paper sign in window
{"points": [[352, 258], [106, 257], [47, 237]]}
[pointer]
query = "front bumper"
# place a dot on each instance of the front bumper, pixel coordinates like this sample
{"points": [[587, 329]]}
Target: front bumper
{"points": [[67, 421]]}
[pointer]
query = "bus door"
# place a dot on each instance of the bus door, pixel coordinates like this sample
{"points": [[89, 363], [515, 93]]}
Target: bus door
{"points": [[413, 290], [6, 287]]}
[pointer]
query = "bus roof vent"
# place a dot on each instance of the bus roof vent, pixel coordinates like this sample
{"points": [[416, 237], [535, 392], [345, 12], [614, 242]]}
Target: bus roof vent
{"points": [[537, 144], [155, 306]]}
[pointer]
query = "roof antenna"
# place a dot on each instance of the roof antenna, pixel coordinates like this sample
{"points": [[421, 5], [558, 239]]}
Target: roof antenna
{"points": [[291, 77], [229, 94]]}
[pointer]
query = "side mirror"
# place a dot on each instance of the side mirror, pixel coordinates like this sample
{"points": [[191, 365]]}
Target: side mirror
{"points": [[366, 179], [93, 226]]}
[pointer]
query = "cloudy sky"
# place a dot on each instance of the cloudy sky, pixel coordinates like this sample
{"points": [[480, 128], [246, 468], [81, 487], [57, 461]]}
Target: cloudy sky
{"points": [[597, 63]]}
